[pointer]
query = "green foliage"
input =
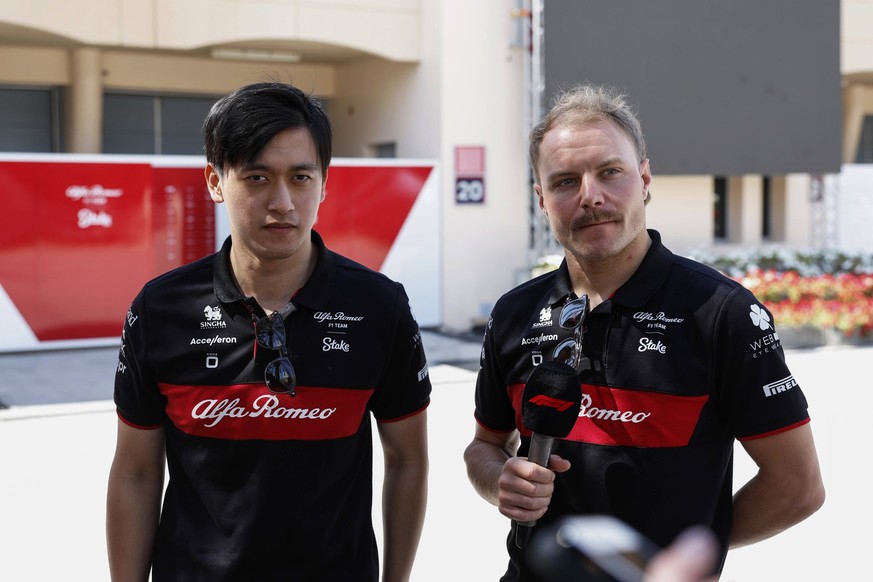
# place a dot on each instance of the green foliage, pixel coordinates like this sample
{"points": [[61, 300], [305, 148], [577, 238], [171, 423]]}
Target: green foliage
{"points": [[804, 263]]}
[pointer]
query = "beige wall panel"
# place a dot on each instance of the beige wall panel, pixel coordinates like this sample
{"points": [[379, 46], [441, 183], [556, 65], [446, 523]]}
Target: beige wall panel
{"points": [[482, 91], [38, 66], [856, 33], [857, 103], [388, 32], [380, 102], [681, 210], [143, 72], [85, 103], [187, 24], [394, 36], [90, 22], [751, 209], [798, 211], [779, 202], [136, 22], [369, 5]]}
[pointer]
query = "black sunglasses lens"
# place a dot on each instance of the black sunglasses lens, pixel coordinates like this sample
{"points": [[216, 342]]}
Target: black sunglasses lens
{"points": [[280, 376], [271, 332], [573, 313], [566, 352]]}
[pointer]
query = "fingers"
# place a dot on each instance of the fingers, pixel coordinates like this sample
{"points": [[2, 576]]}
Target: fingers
{"points": [[525, 489], [558, 464], [690, 558]]}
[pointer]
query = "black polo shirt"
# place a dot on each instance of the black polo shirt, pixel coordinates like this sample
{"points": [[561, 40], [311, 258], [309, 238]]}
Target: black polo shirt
{"points": [[264, 486], [684, 361]]}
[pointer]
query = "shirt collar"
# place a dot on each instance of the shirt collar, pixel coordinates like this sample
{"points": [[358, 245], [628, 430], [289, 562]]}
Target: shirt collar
{"points": [[648, 277], [314, 294], [636, 291]]}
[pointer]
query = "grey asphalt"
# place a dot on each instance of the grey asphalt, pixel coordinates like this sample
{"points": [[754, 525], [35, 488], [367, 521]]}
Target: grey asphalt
{"points": [[86, 374], [57, 441]]}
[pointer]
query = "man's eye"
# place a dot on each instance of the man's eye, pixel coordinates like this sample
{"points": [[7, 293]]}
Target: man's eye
{"points": [[257, 178]]}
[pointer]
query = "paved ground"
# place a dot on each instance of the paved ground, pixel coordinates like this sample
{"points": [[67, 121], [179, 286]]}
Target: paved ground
{"points": [[57, 435], [86, 374]]}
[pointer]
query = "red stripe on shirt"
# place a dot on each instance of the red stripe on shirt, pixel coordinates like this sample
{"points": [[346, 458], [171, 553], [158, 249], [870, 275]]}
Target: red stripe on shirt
{"points": [[635, 418], [777, 431], [251, 411]]}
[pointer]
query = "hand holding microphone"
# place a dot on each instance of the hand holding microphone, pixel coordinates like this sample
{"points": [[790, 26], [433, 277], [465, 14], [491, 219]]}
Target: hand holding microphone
{"points": [[549, 409]]}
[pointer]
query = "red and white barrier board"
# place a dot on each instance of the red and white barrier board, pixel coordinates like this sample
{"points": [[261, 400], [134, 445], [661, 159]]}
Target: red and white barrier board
{"points": [[79, 235]]}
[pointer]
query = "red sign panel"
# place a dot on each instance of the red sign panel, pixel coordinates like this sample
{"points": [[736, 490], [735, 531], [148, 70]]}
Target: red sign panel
{"points": [[78, 239]]}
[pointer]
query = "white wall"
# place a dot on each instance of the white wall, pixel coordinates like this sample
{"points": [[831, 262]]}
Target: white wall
{"points": [[681, 210], [429, 75], [482, 95], [466, 90], [387, 28], [798, 218], [856, 36], [855, 208]]}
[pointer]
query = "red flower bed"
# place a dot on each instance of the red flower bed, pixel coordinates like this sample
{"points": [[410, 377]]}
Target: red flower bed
{"points": [[843, 302]]}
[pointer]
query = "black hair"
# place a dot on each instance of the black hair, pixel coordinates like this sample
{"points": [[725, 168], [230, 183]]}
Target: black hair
{"points": [[240, 124]]}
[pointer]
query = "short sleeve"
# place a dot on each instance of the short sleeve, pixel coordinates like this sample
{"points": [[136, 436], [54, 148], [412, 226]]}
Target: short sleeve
{"points": [[405, 385], [137, 398], [757, 392]]}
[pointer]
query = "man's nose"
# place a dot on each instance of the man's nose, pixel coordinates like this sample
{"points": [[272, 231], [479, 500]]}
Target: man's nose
{"points": [[590, 192], [280, 199]]}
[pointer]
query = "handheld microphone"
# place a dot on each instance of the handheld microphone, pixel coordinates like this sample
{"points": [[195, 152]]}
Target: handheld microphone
{"points": [[549, 408]]}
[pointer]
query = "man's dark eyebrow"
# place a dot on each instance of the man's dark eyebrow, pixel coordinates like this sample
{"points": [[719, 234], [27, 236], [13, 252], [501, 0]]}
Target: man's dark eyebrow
{"points": [[257, 166], [614, 160], [555, 176], [312, 167]]}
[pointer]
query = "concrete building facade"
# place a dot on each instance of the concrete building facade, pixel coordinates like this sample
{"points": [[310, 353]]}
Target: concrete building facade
{"points": [[410, 79]]}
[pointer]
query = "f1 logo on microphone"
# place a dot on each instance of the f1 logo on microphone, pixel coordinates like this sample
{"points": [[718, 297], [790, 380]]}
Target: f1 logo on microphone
{"points": [[556, 403]]}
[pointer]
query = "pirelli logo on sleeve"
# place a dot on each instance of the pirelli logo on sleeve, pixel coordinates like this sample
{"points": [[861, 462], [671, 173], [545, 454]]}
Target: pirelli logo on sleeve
{"points": [[779, 386]]}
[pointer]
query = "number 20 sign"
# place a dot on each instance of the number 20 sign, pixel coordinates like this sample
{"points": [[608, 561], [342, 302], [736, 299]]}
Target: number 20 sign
{"points": [[469, 174], [470, 190]]}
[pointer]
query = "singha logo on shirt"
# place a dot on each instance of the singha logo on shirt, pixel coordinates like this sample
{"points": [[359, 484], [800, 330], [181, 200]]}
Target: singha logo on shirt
{"points": [[545, 318], [213, 318]]}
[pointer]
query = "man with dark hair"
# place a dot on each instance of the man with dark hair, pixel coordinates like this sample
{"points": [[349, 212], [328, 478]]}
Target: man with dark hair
{"points": [[252, 373], [676, 362]]}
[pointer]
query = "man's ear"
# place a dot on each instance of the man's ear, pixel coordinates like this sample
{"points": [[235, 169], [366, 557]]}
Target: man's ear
{"points": [[213, 182], [646, 172], [539, 192], [323, 187]]}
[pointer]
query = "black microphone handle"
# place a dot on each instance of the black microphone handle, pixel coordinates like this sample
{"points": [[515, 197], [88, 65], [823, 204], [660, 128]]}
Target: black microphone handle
{"points": [[540, 449]]}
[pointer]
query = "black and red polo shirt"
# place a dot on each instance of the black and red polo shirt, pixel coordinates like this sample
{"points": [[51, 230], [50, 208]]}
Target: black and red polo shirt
{"points": [[683, 361], [264, 486]]}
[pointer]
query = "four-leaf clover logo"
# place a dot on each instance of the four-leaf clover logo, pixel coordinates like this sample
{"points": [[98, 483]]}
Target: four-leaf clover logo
{"points": [[760, 317]]}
